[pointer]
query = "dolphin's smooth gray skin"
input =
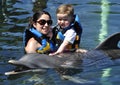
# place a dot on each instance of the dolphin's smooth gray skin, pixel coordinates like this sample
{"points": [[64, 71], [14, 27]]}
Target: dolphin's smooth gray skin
{"points": [[102, 55]]}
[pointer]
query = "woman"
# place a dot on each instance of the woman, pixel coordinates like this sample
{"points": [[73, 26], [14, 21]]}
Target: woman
{"points": [[38, 38]]}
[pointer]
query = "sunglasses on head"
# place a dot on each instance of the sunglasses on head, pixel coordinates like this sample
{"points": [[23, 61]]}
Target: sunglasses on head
{"points": [[43, 22]]}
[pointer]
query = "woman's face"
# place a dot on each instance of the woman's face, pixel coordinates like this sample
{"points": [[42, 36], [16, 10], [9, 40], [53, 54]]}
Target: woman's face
{"points": [[43, 24], [64, 20]]}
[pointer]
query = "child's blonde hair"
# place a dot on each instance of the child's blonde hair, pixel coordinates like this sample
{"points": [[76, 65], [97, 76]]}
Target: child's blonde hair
{"points": [[65, 9]]}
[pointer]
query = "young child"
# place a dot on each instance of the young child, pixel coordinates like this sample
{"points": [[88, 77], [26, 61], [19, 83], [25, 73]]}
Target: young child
{"points": [[68, 30]]}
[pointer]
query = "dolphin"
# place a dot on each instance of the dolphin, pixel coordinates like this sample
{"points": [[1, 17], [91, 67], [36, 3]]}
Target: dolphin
{"points": [[103, 55]]}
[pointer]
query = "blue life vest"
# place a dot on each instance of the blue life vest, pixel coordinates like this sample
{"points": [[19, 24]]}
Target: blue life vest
{"points": [[60, 33], [46, 44]]}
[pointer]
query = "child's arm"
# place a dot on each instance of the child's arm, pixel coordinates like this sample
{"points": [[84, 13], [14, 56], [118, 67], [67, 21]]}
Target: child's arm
{"points": [[61, 48]]}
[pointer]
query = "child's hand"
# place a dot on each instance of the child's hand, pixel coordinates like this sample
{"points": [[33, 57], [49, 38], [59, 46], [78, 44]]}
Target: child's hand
{"points": [[51, 54], [55, 53], [81, 50]]}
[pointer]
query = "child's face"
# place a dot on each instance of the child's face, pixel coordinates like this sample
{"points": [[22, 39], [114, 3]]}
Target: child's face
{"points": [[64, 20]]}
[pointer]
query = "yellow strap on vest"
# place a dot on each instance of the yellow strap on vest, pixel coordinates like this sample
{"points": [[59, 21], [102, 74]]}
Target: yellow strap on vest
{"points": [[44, 49]]}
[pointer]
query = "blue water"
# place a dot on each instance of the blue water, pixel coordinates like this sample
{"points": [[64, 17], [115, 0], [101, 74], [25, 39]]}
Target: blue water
{"points": [[99, 19]]}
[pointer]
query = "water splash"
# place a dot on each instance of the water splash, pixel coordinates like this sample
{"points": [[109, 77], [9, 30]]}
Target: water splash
{"points": [[77, 79], [104, 18], [104, 77]]}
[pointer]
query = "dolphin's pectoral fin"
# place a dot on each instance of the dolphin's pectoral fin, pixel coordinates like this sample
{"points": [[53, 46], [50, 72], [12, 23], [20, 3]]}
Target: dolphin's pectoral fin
{"points": [[110, 43]]}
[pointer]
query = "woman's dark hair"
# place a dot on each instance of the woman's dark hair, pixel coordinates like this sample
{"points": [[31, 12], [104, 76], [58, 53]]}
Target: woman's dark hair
{"points": [[36, 16]]}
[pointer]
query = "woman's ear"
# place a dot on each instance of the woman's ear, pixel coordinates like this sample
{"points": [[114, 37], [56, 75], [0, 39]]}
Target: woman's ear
{"points": [[34, 24]]}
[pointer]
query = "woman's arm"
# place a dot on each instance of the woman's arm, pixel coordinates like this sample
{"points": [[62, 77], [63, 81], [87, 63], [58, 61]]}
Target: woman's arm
{"points": [[32, 46]]}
